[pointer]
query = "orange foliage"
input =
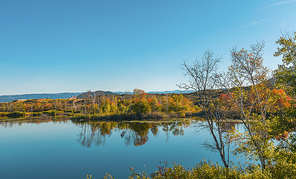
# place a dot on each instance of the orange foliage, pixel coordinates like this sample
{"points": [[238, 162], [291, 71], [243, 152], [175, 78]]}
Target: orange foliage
{"points": [[283, 135], [279, 98]]}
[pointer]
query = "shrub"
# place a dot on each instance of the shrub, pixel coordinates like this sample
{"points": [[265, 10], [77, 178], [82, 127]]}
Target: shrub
{"points": [[182, 115], [210, 170], [50, 113], [16, 114], [3, 114]]}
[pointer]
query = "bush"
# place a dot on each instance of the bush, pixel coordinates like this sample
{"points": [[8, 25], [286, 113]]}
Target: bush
{"points": [[209, 170], [50, 113], [202, 170], [3, 114], [36, 114], [16, 114], [182, 115]]}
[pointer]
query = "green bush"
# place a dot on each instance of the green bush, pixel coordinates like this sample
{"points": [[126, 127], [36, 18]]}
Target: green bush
{"points": [[50, 113], [3, 114], [36, 114], [16, 114], [182, 115]]}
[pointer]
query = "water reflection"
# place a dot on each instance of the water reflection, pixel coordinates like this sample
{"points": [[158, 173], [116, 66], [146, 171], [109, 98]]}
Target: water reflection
{"points": [[133, 133], [226, 126], [53, 146], [37, 120]]}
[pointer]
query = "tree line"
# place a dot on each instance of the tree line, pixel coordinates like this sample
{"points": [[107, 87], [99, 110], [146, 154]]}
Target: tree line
{"points": [[137, 104]]}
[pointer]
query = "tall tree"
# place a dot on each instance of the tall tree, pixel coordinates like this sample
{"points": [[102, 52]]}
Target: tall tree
{"points": [[247, 71], [202, 79], [286, 72]]}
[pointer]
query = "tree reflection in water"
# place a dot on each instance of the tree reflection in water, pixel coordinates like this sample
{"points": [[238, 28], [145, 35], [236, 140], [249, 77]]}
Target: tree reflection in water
{"points": [[37, 120], [136, 133], [133, 133]]}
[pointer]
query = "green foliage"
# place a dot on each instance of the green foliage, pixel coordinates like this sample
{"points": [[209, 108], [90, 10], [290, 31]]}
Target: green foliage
{"points": [[89, 177], [286, 72], [141, 106], [50, 113], [3, 114], [251, 146], [16, 114], [209, 170], [35, 114], [182, 115]]}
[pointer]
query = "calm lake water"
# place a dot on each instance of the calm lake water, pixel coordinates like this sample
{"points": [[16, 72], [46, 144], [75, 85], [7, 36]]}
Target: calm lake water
{"points": [[67, 149]]}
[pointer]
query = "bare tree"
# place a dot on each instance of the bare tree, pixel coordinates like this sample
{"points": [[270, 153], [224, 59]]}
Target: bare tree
{"points": [[202, 79]]}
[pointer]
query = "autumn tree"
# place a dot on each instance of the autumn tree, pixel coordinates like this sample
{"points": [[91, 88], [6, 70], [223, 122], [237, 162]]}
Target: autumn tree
{"points": [[153, 103], [227, 107], [284, 126], [285, 78], [138, 93], [247, 71], [141, 106]]}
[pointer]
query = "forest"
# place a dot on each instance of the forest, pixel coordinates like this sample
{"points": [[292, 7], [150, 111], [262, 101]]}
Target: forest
{"points": [[138, 105]]}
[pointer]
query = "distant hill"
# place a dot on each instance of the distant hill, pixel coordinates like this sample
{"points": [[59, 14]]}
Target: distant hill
{"points": [[95, 93], [159, 92], [8, 98]]}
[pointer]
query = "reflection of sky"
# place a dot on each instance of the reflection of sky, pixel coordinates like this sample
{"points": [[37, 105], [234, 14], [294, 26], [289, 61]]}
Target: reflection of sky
{"points": [[49, 150]]}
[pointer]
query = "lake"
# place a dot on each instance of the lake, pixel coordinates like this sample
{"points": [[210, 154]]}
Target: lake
{"points": [[67, 149]]}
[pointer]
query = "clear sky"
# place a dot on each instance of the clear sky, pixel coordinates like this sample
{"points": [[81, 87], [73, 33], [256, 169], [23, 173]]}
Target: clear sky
{"points": [[118, 45]]}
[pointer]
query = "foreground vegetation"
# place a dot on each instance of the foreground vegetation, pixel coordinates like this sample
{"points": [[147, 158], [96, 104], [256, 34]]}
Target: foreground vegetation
{"points": [[209, 170]]}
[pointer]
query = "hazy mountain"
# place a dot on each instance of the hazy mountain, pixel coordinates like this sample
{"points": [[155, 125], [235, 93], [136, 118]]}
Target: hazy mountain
{"points": [[8, 98], [158, 92], [95, 93]]}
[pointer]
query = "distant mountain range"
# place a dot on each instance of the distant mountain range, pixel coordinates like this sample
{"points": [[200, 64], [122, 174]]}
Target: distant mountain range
{"points": [[8, 98]]}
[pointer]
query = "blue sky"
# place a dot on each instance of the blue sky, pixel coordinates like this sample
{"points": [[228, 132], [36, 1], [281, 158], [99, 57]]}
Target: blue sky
{"points": [[118, 45]]}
